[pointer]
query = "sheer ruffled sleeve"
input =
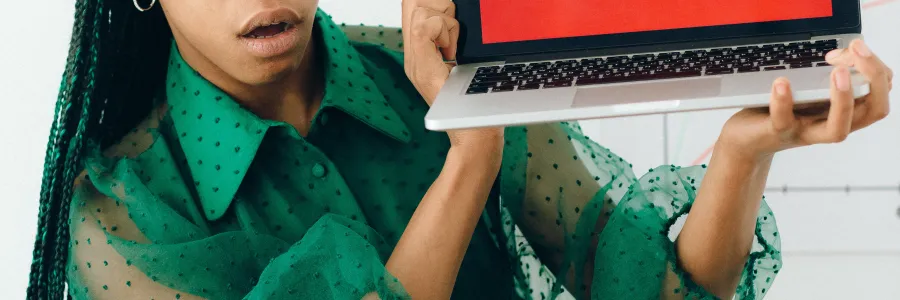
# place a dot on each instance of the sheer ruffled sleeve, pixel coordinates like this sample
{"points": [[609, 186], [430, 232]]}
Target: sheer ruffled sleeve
{"points": [[138, 233], [599, 231]]}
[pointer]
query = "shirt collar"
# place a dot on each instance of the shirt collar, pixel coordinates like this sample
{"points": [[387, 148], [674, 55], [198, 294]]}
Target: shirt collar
{"points": [[210, 124], [350, 87]]}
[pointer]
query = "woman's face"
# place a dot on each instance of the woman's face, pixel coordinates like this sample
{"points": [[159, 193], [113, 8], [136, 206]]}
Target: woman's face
{"points": [[251, 41]]}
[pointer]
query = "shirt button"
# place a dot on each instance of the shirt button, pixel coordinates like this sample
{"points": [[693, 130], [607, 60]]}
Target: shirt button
{"points": [[318, 170], [323, 119]]}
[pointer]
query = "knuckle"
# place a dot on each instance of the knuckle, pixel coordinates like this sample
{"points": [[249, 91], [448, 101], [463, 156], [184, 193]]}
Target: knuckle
{"points": [[881, 71], [803, 141], [882, 114], [420, 30], [839, 136], [424, 27], [453, 23], [781, 127]]}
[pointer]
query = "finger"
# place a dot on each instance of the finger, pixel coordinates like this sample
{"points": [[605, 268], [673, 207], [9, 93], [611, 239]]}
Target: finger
{"points": [[446, 7], [890, 79], [408, 7], [781, 106], [439, 29], [430, 30], [449, 50], [879, 77], [836, 128], [448, 10], [839, 57]]}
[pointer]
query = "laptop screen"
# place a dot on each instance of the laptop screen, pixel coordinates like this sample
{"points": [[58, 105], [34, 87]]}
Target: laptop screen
{"points": [[528, 20]]}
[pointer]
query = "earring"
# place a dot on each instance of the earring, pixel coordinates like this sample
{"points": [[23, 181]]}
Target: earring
{"points": [[141, 9]]}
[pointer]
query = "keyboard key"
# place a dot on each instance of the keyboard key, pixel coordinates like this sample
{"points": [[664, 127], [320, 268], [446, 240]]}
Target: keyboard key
{"points": [[771, 62], [719, 71], [476, 90], [697, 69], [826, 43], [681, 74], [822, 64], [801, 65], [483, 84], [747, 69], [512, 67], [503, 88], [530, 86], [620, 79], [557, 84], [642, 57], [491, 79], [489, 75], [774, 68]]}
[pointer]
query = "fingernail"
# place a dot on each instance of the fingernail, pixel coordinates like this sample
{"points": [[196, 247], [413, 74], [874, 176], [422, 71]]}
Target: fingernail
{"points": [[862, 50], [781, 87], [833, 54], [842, 79]]}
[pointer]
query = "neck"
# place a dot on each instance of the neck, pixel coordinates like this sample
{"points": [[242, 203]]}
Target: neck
{"points": [[293, 98]]}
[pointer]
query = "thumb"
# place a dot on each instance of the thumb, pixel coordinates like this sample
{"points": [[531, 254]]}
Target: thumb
{"points": [[840, 57]]}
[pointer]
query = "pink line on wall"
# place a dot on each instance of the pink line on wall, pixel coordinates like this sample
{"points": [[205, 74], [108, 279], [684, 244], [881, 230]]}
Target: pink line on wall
{"points": [[875, 3]]}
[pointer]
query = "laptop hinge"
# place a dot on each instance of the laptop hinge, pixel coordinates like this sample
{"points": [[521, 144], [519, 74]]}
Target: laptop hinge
{"points": [[659, 47]]}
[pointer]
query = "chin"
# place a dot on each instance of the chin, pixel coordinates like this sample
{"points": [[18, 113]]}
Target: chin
{"points": [[270, 70]]}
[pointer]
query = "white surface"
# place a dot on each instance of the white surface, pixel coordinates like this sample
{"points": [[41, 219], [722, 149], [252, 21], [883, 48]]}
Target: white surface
{"points": [[837, 223], [827, 277], [837, 246]]}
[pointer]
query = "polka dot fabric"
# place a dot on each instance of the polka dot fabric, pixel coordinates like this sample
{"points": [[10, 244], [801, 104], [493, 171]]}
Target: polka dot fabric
{"points": [[205, 200]]}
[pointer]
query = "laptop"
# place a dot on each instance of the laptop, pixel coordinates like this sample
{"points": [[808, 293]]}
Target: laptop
{"points": [[536, 61]]}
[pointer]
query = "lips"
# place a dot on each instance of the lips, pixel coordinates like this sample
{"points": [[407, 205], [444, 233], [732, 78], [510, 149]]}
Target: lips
{"points": [[267, 31], [272, 34], [270, 23]]}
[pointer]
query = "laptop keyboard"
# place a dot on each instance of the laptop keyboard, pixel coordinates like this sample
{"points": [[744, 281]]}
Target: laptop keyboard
{"points": [[616, 69]]}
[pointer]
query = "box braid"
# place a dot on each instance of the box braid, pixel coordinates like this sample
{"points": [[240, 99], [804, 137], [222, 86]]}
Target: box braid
{"points": [[114, 72]]}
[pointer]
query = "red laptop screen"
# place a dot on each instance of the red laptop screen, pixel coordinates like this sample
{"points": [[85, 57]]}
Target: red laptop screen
{"points": [[526, 20]]}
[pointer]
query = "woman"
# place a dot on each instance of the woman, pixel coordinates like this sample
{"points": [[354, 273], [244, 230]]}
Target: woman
{"points": [[247, 149]]}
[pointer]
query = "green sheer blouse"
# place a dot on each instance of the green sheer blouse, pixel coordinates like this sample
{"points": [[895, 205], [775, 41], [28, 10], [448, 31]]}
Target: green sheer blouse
{"points": [[205, 200]]}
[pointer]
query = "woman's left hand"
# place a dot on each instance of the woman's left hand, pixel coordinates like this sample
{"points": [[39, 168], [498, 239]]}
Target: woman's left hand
{"points": [[430, 34], [761, 132]]}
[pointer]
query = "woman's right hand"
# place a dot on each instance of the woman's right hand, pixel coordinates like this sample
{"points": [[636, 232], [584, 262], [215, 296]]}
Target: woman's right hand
{"points": [[430, 35]]}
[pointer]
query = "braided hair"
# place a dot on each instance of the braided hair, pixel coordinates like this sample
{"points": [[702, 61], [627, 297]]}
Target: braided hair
{"points": [[116, 65]]}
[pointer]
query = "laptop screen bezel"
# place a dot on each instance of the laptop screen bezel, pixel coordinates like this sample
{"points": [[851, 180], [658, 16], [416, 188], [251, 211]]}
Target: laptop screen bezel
{"points": [[471, 49]]}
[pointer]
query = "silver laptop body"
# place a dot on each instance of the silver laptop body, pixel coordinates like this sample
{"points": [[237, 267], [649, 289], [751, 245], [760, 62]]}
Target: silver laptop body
{"points": [[635, 80]]}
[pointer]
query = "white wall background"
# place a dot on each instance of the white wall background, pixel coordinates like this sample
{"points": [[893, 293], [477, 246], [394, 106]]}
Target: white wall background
{"points": [[837, 245]]}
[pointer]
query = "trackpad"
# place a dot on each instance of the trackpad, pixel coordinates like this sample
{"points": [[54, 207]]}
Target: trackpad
{"points": [[601, 95]]}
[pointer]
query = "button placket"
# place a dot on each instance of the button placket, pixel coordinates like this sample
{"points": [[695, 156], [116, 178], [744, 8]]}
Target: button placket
{"points": [[326, 185], [319, 170], [323, 118]]}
